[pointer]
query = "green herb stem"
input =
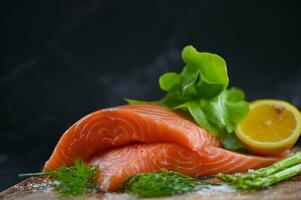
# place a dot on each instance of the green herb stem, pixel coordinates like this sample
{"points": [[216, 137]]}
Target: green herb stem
{"points": [[33, 174]]}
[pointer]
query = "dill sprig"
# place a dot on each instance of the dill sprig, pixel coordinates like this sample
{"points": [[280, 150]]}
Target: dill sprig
{"points": [[72, 181], [76, 180], [164, 183]]}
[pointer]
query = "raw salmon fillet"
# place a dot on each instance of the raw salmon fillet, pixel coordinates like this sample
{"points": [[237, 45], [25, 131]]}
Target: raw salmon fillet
{"points": [[119, 126], [166, 140], [117, 165]]}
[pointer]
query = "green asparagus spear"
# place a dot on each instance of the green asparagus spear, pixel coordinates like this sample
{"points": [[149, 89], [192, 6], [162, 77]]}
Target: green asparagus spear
{"points": [[278, 166], [284, 169], [247, 184]]}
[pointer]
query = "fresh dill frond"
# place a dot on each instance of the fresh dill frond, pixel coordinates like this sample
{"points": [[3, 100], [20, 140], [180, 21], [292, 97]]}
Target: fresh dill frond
{"points": [[72, 181], [164, 183], [75, 181]]}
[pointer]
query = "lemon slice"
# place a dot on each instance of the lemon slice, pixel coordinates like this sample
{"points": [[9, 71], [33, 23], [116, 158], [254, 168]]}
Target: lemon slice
{"points": [[271, 127]]}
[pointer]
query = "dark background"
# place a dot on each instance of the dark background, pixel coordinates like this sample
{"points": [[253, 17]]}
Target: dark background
{"points": [[63, 59]]}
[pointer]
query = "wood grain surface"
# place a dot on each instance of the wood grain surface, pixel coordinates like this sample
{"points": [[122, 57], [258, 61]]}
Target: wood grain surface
{"points": [[36, 188]]}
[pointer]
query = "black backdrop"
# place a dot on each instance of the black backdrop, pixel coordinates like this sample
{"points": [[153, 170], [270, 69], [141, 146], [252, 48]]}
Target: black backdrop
{"points": [[63, 59]]}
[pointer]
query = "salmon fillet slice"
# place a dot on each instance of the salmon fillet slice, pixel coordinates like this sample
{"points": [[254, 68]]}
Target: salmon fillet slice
{"points": [[119, 126], [117, 165], [167, 140]]}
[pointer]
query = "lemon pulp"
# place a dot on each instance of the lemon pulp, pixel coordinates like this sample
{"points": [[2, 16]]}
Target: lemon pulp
{"points": [[272, 126]]}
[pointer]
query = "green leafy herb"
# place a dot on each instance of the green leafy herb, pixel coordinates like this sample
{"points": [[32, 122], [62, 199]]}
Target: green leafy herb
{"points": [[73, 181], [201, 91], [227, 109], [168, 80], [209, 70], [196, 110], [231, 142], [76, 180], [164, 183], [281, 170]]}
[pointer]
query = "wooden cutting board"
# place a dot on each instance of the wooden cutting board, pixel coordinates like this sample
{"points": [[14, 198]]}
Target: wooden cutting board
{"points": [[36, 188], [32, 189]]}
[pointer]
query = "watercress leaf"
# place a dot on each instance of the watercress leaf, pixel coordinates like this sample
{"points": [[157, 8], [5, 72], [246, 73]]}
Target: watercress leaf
{"points": [[174, 97], [170, 101], [191, 57], [200, 90], [195, 109], [227, 109], [189, 79], [168, 80], [212, 69], [235, 94], [236, 106], [134, 101], [208, 91], [231, 142]]}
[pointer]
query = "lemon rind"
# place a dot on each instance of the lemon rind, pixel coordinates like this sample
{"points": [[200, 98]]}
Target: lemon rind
{"points": [[292, 138]]}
